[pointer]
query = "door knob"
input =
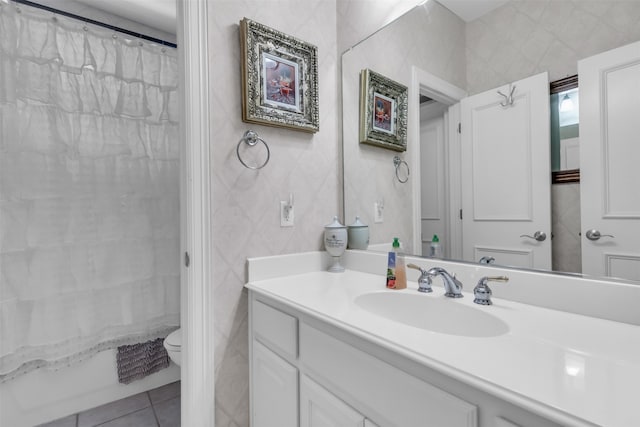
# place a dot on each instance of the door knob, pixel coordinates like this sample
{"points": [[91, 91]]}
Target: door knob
{"points": [[540, 236], [595, 235]]}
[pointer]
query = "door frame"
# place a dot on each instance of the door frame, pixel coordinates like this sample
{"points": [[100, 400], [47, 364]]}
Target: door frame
{"points": [[425, 83], [196, 204]]}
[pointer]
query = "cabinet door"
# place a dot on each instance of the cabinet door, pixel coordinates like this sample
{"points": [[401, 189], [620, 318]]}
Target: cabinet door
{"points": [[502, 422], [274, 396], [319, 408], [386, 394]]}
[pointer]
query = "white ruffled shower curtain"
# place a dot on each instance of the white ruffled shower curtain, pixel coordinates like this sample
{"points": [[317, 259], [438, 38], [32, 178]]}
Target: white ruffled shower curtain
{"points": [[89, 181]]}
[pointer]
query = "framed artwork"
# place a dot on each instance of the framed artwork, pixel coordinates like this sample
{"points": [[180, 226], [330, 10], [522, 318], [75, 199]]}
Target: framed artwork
{"points": [[279, 78], [383, 111]]}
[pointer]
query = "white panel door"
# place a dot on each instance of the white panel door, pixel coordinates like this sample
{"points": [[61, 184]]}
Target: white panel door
{"points": [[432, 185], [609, 162], [319, 408], [505, 175], [275, 389]]}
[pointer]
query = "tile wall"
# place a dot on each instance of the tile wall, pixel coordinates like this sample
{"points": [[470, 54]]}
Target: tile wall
{"points": [[527, 37], [358, 19], [246, 220], [369, 173], [566, 246]]}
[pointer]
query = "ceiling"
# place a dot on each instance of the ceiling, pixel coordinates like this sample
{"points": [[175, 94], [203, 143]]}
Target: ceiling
{"points": [[469, 10], [158, 14], [161, 14]]}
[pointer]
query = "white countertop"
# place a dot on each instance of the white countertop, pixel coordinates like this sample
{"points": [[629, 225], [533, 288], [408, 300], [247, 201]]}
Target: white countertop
{"points": [[569, 368]]}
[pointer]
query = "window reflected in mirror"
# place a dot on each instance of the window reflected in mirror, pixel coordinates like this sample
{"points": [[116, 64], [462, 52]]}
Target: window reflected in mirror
{"points": [[565, 130], [569, 132]]}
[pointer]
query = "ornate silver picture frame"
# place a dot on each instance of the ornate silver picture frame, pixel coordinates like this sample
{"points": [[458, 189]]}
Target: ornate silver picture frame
{"points": [[279, 78], [383, 111]]}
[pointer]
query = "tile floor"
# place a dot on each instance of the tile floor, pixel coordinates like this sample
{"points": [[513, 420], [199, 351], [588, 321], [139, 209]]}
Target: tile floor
{"points": [[159, 407]]}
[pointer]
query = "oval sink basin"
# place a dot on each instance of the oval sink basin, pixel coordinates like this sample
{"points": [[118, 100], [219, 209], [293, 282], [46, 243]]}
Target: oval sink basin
{"points": [[442, 315]]}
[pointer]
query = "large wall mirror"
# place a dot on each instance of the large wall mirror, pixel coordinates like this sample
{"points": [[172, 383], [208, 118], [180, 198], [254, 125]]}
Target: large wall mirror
{"points": [[499, 67]]}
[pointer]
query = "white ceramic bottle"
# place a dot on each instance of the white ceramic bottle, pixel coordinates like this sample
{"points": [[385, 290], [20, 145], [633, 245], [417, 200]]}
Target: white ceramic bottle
{"points": [[358, 235], [335, 242]]}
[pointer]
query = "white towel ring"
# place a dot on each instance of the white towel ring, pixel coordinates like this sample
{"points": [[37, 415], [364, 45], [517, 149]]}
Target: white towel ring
{"points": [[397, 161], [251, 138]]}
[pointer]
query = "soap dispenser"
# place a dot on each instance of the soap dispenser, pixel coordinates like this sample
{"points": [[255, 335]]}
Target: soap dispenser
{"points": [[435, 249], [396, 270]]}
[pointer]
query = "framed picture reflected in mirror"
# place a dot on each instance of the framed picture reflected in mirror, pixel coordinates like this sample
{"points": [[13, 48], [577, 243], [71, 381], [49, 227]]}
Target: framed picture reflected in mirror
{"points": [[383, 111]]}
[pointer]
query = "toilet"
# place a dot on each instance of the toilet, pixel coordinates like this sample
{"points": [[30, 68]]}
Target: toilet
{"points": [[173, 344]]}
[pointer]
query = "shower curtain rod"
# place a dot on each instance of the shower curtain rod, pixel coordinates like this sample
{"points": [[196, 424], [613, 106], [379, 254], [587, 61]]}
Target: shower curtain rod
{"points": [[91, 21]]}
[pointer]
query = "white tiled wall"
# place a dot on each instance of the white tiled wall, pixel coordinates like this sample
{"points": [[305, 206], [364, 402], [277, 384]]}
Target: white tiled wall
{"points": [[357, 19], [246, 219], [526, 37], [565, 216]]}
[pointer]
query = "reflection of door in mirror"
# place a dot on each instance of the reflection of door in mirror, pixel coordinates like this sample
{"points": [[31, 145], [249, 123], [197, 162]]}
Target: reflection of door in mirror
{"points": [[610, 88], [505, 177]]}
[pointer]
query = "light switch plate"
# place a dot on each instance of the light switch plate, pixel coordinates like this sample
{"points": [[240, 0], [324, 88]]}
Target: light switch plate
{"points": [[286, 214], [378, 213]]}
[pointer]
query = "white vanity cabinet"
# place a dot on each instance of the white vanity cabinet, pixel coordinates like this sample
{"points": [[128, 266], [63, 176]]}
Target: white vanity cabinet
{"points": [[307, 372], [281, 396]]}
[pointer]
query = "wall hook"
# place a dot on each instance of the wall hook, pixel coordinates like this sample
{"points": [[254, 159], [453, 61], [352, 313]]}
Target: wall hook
{"points": [[508, 100]]}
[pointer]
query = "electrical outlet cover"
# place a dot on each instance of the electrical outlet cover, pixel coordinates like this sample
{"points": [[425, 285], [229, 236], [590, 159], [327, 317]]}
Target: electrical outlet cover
{"points": [[378, 213], [286, 214]]}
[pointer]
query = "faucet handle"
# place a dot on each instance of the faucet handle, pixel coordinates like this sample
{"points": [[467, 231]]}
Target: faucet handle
{"points": [[457, 288], [424, 281], [482, 292]]}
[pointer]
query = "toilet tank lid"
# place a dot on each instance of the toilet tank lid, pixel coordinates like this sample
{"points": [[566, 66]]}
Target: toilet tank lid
{"points": [[174, 339]]}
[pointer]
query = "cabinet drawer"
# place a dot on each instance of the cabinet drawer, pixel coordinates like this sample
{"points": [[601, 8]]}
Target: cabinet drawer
{"points": [[278, 330], [381, 391]]}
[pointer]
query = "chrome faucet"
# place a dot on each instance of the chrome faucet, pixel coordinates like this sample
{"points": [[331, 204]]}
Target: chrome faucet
{"points": [[452, 286]]}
